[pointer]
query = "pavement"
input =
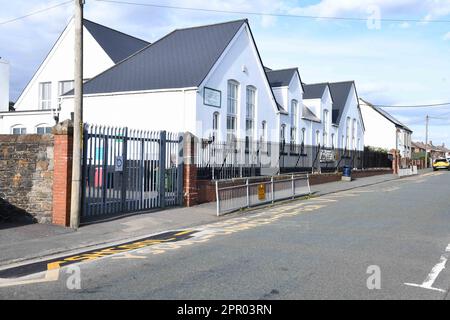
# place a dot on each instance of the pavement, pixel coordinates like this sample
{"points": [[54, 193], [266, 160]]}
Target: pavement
{"points": [[20, 243]]}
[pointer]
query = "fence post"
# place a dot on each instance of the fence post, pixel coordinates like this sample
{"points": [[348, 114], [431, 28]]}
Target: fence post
{"points": [[309, 185], [293, 186], [272, 189], [162, 169], [180, 169], [248, 194], [217, 198], [84, 177], [125, 169]]}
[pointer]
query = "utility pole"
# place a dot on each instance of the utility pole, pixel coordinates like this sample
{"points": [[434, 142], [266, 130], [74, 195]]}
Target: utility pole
{"points": [[75, 207], [426, 140]]}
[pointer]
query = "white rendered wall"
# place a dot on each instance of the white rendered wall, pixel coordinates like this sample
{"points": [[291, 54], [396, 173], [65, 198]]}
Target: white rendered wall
{"points": [[29, 120], [59, 66], [351, 111], [4, 85], [380, 132], [173, 111], [239, 63]]}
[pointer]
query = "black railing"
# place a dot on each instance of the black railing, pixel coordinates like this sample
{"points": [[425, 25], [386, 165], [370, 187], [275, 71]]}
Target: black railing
{"points": [[217, 160]]}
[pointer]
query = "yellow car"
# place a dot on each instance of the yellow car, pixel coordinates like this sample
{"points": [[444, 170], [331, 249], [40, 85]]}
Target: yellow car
{"points": [[441, 164]]}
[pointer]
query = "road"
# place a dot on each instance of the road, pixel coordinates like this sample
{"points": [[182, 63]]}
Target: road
{"points": [[320, 248]]}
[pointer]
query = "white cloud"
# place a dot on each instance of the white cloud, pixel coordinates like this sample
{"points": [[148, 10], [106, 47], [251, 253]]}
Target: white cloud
{"points": [[447, 36]]}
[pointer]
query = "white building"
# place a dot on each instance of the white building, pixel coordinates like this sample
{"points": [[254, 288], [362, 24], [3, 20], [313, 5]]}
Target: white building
{"points": [[4, 85], [206, 80], [319, 110], [384, 131], [339, 121], [37, 108]]}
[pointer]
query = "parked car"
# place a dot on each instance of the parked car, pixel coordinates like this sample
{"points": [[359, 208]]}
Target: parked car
{"points": [[441, 164]]}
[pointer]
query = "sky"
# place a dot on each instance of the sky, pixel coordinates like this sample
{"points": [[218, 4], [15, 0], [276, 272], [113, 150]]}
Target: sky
{"points": [[393, 63]]}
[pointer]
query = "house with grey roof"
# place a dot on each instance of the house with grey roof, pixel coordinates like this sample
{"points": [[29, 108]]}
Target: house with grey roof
{"points": [[336, 106], [37, 108], [207, 80], [385, 131], [318, 105]]}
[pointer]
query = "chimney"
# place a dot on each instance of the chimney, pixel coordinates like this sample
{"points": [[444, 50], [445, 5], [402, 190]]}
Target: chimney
{"points": [[4, 85]]}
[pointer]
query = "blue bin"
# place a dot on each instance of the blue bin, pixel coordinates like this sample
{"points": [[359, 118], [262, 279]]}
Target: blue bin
{"points": [[347, 171]]}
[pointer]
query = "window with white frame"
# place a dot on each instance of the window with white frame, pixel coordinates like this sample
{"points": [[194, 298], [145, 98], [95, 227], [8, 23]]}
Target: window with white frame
{"points": [[325, 127], [250, 116], [43, 129], [232, 106], [263, 139], [283, 133], [18, 130], [317, 138], [215, 126], [303, 136], [354, 128], [64, 87], [333, 143], [347, 131], [45, 95], [294, 120]]}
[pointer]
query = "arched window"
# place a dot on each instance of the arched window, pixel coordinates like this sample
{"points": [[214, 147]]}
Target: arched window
{"points": [[283, 133], [232, 107], [347, 131], [303, 136], [43, 128], [263, 138], [294, 121], [250, 116], [354, 134], [332, 141], [18, 129], [326, 123], [215, 126]]}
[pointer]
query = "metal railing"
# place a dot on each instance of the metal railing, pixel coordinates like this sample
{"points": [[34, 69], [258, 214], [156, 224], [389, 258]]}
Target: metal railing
{"points": [[241, 159], [262, 191]]}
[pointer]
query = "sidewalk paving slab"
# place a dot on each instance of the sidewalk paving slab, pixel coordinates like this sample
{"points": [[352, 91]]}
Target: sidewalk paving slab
{"points": [[32, 242]]}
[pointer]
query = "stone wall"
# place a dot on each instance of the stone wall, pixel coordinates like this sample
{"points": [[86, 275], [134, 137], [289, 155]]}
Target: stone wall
{"points": [[26, 177]]}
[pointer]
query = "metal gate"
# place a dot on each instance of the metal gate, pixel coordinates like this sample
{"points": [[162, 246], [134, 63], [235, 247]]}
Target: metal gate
{"points": [[127, 171]]}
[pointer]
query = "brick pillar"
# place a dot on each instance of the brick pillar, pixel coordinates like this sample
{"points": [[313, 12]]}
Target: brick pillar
{"points": [[190, 187], [395, 161], [62, 175]]}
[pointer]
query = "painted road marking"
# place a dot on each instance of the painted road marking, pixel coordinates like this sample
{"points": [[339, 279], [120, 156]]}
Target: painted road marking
{"points": [[57, 263], [158, 244], [433, 275]]}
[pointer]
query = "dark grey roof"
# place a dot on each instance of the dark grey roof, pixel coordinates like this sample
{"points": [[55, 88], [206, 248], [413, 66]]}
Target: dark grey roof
{"points": [[309, 115], [340, 91], [117, 45], [314, 91], [388, 116], [280, 78], [181, 59]]}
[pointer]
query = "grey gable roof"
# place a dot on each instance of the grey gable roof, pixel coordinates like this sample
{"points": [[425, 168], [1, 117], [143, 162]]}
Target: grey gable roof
{"points": [[181, 59], [309, 115], [280, 78], [387, 116], [314, 91], [116, 44], [340, 91]]}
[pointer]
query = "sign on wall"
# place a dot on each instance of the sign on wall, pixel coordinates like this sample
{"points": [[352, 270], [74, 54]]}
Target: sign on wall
{"points": [[327, 156], [212, 97]]}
